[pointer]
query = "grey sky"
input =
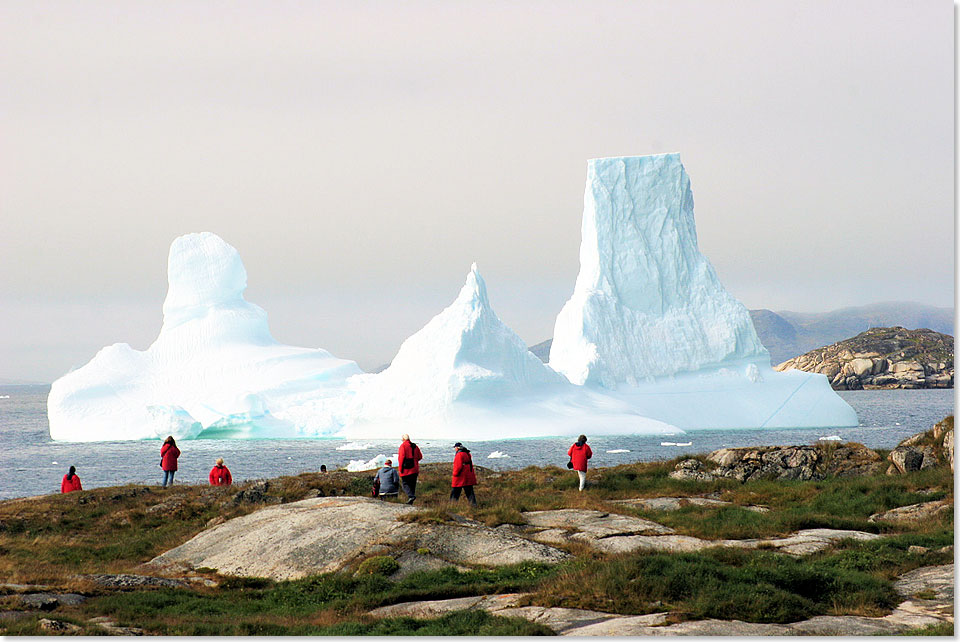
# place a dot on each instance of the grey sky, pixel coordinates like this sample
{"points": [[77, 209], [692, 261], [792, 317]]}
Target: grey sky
{"points": [[361, 155]]}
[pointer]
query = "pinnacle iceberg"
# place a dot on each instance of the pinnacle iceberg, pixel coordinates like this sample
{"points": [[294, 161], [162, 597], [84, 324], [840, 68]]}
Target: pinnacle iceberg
{"points": [[646, 304], [649, 342], [214, 363], [464, 353]]}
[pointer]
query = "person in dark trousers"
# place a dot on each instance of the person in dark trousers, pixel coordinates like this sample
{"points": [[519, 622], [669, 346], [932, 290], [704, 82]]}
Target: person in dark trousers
{"points": [[220, 475], [387, 481], [70, 481], [579, 454], [464, 477], [168, 459], [409, 455]]}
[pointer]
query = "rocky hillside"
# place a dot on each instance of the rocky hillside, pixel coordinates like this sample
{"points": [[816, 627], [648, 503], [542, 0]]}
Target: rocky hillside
{"points": [[786, 334], [883, 358]]}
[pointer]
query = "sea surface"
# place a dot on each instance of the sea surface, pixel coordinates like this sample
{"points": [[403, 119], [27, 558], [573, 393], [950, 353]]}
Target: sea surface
{"points": [[32, 464]]}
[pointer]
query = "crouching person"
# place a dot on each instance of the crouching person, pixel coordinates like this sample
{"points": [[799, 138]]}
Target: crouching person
{"points": [[387, 481], [464, 478]]}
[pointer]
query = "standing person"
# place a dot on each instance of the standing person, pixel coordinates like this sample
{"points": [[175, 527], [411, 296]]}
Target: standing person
{"points": [[464, 477], [70, 481], [168, 459], [387, 481], [409, 455], [220, 474], [579, 454]]}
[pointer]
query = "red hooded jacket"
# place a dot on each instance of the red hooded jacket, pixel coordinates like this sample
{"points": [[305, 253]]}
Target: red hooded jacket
{"points": [[463, 474], [220, 476], [68, 485], [409, 451], [580, 455], [168, 456]]}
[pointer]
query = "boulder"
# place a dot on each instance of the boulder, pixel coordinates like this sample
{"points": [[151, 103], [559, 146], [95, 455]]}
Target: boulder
{"points": [[771, 462], [908, 459], [691, 469], [56, 626]]}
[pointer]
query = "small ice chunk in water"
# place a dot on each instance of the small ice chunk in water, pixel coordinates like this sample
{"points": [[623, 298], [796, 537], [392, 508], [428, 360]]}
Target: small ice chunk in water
{"points": [[358, 465], [496, 454], [676, 443], [355, 445], [831, 438], [618, 450]]}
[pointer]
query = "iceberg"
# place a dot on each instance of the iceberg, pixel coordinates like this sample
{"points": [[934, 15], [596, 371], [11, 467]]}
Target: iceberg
{"points": [[650, 322], [650, 342], [214, 366], [466, 375]]}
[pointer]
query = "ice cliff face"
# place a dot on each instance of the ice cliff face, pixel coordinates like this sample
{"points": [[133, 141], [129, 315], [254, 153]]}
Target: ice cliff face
{"points": [[464, 353], [214, 363], [660, 341], [647, 303]]}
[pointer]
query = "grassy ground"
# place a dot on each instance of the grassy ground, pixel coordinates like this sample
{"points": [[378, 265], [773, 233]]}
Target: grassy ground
{"points": [[52, 539]]}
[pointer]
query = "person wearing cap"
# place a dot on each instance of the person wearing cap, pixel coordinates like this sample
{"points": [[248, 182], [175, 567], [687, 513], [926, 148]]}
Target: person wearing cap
{"points": [[409, 456], [387, 481], [220, 474], [464, 478]]}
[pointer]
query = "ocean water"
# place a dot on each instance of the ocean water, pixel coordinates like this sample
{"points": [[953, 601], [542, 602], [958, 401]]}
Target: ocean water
{"points": [[32, 464]]}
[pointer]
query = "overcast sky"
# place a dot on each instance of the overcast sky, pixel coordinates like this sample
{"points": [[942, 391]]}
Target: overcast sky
{"points": [[361, 155]]}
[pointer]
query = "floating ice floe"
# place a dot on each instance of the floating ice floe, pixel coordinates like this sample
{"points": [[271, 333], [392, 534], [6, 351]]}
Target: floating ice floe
{"points": [[496, 454], [831, 438], [617, 451], [353, 445], [675, 443], [358, 465]]}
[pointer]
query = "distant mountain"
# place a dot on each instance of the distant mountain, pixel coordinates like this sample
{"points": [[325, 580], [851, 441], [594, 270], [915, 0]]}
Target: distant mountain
{"points": [[542, 350], [789, 334]]}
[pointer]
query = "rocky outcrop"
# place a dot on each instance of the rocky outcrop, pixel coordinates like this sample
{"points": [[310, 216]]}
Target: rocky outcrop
{"points": [[924, 450], [691, 470], [676, 503], [882, 358], [321, 535], [794, 462], [934, 583], [615, 534], [915, 512]]}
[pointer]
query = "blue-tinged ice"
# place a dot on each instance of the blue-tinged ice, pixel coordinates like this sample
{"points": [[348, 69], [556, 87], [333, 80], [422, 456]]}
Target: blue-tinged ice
{"points": [[649, 342]]}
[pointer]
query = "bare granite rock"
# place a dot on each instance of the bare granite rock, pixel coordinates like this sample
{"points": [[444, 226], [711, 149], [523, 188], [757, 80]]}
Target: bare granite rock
{"points": [[594, 524], [676, 503], [915, 512], [913, 613], [622, 534], [56, 626], [320, 535]]}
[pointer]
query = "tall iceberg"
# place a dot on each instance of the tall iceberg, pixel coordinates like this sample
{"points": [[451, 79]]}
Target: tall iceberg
{"points": [[650, 321], [464, 353], [214, 366]]}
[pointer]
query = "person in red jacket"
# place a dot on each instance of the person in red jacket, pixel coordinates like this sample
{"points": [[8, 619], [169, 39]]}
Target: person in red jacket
{"points": [[409, 456], [220, 475], [71, 481], [464, 478], [579, 454], [168, 459]]}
